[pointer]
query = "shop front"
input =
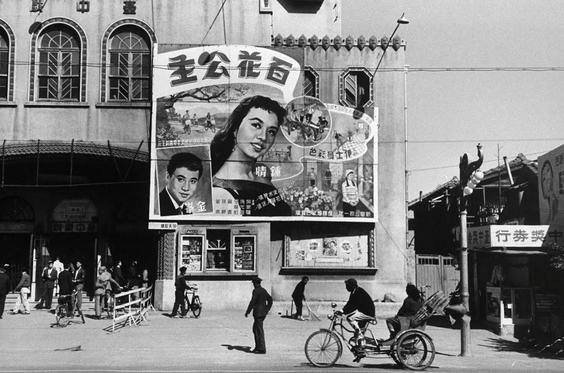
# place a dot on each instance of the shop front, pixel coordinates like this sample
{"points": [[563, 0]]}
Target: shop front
{"points": [[509, 274]]}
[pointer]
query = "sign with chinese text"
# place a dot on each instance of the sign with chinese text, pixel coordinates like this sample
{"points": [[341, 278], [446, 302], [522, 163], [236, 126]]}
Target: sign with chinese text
{"points": [[488, 236], [234, 138]]}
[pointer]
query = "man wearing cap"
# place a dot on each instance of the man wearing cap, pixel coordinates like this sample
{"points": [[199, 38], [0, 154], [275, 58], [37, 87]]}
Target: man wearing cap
{"points": [[260, 304], [359, 310], [180, 285]]}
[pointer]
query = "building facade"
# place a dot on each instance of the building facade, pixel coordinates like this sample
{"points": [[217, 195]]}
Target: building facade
{"points": [[75, 102]]}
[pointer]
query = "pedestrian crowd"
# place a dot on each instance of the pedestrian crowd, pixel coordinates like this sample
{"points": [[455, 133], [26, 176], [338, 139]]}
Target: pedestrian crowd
{"points": [[67, 281]]}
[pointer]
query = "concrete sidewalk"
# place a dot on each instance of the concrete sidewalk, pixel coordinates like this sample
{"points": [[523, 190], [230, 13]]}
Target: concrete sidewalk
{"points": [[217, 342]]}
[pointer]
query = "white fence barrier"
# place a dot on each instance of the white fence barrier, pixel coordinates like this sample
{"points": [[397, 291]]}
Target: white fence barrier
{"points": [[132, 306]]}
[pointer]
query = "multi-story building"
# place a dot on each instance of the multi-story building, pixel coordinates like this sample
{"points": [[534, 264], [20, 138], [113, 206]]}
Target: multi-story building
{"points": [[76, 121]]}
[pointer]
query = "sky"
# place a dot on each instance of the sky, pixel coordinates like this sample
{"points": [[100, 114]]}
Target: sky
{"points": [[449, 112]]}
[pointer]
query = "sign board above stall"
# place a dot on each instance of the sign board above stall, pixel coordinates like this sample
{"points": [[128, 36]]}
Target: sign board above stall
{"points": [[490, 236]]}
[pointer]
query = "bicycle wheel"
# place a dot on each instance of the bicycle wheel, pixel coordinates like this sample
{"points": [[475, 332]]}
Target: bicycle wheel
{"points": [[196, 306], [415, 350], [323, 348], [61, 316]]}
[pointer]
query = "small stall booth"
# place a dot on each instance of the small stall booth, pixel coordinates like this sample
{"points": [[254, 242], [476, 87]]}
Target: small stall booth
{"points": [[508, 263]]}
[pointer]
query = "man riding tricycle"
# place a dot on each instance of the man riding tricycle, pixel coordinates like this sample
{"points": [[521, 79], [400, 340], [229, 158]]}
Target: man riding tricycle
{"points": [[409, 346]]}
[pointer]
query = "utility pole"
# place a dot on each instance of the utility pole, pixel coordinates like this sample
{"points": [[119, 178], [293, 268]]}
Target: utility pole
{"points": [[470, 177]]}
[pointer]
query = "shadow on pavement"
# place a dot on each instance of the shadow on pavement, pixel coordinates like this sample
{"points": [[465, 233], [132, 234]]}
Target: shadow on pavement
{"points": [[246, 349], [543, 352], [309, 365]]}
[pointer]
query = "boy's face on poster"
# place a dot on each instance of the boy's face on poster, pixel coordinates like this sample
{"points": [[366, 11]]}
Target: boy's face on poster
{"points": [[182, 184], [256, 133]]}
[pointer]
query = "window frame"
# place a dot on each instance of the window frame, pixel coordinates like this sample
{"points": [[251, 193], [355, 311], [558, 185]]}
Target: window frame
{"points": [[342, 86], [315, 74], [10, 55], [230, 270], [61, 53], [131, 53], [33, 93]]}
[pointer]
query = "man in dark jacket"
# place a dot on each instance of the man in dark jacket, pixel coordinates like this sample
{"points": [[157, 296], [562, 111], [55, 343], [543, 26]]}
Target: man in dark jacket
{"points": [[359, 310], [48, 276], [118, 274], [78, 282], [260, 304], [4, 289], [298, 296], [180, 285], [65, 284]]}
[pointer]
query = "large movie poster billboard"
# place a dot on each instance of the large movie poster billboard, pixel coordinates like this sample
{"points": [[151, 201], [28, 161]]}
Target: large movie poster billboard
{"points": [[234, 138]]}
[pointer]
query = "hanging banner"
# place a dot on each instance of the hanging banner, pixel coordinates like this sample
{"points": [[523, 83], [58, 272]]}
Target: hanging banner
{"points": [[234, 138], [525, 236]]}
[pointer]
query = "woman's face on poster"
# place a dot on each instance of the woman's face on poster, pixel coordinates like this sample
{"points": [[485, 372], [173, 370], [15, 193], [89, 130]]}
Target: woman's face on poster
{"points": [[256, 133]]}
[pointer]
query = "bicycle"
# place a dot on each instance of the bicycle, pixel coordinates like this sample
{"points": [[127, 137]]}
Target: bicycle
{"points": [[411, 348], [67, 308], [195, 305]]}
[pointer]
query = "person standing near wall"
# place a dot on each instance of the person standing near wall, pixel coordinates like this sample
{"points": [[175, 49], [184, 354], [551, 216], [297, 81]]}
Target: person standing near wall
{"points": [[4, 289], [48, 276], [260, 304], [78, 281], [180, 285], [298, 297]]}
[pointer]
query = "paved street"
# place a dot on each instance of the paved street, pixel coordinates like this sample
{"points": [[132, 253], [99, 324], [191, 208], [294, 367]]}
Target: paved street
{"points": [[217, 342]]}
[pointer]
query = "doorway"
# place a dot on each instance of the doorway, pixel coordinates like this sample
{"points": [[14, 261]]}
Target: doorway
{"points": [[14, 251]]}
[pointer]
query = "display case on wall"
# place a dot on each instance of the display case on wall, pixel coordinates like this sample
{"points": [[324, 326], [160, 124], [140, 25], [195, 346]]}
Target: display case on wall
{"points": [[218, 251], [333, 254]]}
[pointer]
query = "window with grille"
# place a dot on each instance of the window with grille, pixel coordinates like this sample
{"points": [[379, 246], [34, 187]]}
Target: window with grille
{"points": [[4, 53], [130, 66], [355, 88], [59, 64], [311, 82]]}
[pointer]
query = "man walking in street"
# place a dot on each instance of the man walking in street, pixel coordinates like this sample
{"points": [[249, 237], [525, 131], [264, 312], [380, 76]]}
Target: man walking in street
{"points": [[48, 276], [180, 285], [78, 282], [298, 297], [24, 289], [260, 304], [4, 289]]}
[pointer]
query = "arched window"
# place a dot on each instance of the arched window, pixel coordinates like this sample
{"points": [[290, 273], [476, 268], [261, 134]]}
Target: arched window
{"points": [[129, 75], [311, 82], [4, 64], [355, 88], [58, 76], [15, 209]]}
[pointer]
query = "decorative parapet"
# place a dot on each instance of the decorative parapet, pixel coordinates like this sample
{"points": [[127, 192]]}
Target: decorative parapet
{"points": [[338, 42]]}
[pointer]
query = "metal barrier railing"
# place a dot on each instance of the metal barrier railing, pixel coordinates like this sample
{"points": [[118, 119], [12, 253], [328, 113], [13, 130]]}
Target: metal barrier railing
{"points": [[132, 306]]}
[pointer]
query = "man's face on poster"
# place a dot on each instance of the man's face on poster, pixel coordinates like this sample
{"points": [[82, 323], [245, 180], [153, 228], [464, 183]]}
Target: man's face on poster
{"points": [[182, 184]]}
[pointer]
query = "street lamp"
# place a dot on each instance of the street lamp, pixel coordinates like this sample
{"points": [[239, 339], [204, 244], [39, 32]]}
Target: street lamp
{"points": [[470, 176], [401, 21]]}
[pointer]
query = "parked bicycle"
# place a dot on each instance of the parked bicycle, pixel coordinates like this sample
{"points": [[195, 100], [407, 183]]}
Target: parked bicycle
{"points": [[194, 304], [67, 309]]}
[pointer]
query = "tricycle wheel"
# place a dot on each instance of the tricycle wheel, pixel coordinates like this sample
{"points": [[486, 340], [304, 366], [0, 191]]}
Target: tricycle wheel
{"points": [[414, 350], [323, 348]]}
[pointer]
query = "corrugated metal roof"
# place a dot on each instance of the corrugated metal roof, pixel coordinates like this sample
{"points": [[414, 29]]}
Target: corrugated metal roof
{"points": [[23, 148]]}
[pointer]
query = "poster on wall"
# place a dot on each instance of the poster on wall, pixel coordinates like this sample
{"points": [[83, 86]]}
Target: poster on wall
{"points": [[347, 251], [551, 195], [244, 253], [191, 253], [235, 138]]}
